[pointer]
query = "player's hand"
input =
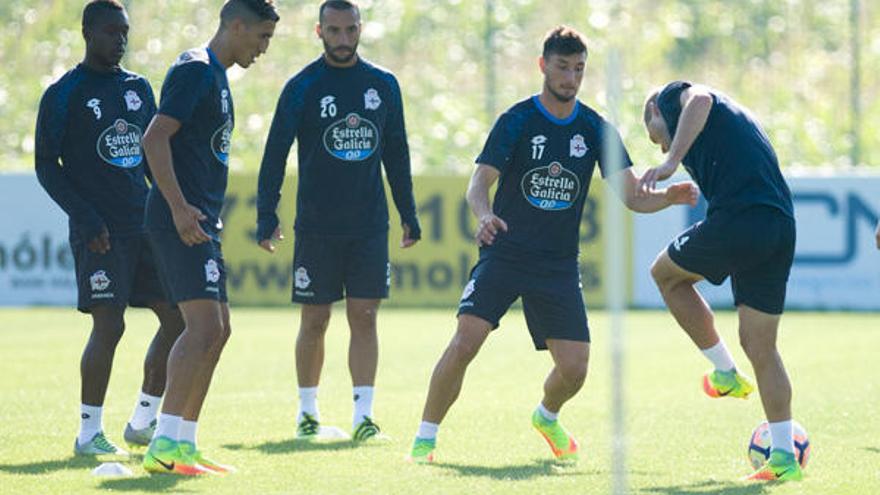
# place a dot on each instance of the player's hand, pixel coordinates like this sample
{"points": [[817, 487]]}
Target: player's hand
{"points": [[407, 241], [649, 180], [186, 220], [682, 193], [877, 235], [101, 243], [490, 226], [268, 244]]}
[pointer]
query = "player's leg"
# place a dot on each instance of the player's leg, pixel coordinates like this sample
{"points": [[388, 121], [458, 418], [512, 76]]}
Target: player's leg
{"points": [[367, 278], [142, 425], [759, 293], [700, 252], [363, 359], [189, 361], [564, 381], [314, 319], [148, 292], [446, 381], [95, 367]]}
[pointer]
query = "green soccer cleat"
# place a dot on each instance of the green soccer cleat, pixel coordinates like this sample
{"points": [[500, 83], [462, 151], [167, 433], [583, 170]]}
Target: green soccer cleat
{"points": [[731, 383], [141, 437], [308, 428], [165, 457], [422, 451], [563, 445], [98, 445], [188, 449], [365, 430], [782, 466]]}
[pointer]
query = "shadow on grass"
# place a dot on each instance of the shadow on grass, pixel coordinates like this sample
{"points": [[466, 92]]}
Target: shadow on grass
{"points": [[875, 450], [712, 487], [545, 467], [74, 462], [292, 445], [155, 483]]}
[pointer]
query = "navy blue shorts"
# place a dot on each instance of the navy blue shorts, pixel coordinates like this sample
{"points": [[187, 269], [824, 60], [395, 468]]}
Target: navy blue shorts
{"points": [[124, 276], [189, 273], [328, 268], [552, 299], [754, 247]]}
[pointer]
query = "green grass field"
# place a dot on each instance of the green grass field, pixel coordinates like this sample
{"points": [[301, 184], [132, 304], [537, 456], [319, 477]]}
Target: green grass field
{"points": [[680, 442]]}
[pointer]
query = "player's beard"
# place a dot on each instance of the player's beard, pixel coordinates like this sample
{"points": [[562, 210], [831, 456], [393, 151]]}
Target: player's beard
{"points": [[330, 52], [562, 98]]}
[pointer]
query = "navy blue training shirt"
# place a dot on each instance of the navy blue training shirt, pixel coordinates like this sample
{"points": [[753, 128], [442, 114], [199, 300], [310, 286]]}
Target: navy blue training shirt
{"points": [[88, 149], [347, 120], [732, 159], [196, 94], [546, 165]]}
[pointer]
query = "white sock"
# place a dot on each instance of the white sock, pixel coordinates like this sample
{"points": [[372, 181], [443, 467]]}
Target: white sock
{"points": [[363, 404], [781, 436], [308, 402], [90, 422], [144, 411], [428, 431], [188, 431], [720, 356], [169, 426], [549, 416]]}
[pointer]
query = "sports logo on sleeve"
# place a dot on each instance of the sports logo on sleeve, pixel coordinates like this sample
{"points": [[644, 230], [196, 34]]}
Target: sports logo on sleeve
{"points": [[132, 101], [372, 100], [120, 145], [352, 139], [551, 188], [221, 142]]}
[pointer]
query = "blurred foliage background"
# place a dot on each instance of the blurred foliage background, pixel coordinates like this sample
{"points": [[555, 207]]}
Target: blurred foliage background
{"points": [[805, 67]]}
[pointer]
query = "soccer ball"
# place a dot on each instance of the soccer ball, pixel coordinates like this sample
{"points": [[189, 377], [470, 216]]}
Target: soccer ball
{"points": [[759, 445]]}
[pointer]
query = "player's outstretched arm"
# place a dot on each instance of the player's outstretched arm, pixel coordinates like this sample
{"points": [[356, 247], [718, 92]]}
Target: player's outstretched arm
{"points": [[680, 193], [696, 103], [478, 199], [157, 147]]}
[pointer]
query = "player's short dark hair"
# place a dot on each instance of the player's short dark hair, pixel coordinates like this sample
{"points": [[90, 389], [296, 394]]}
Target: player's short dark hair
{"points": [[97, 8], [250, 11], [337, 5], [563, 40]]}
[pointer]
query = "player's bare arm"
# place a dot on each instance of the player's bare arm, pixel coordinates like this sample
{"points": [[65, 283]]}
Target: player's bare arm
{"points": [[157, 147], [696, 103], [478, 198], [680, 193]]}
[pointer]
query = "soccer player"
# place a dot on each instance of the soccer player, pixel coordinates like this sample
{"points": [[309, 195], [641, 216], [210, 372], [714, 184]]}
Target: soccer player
{"points": [[89, 160], [542, 152], [188, 144], [748, 234], [348, 116]]}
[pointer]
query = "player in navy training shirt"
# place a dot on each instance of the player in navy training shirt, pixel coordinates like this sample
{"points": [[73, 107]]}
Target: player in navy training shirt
{"points": [[89, 160], [188, 144], [348, 117], [748, 234], [542, 152]]}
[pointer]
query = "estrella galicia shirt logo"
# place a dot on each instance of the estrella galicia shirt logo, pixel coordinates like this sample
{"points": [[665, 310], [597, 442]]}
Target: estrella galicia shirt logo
{"points": [[352, 139], [120, 145], [551, 188], [221, 142]]}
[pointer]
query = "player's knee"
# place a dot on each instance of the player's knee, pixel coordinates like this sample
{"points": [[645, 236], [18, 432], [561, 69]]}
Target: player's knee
{"points": [[107, 329], [758, 350], [464, 347]]}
